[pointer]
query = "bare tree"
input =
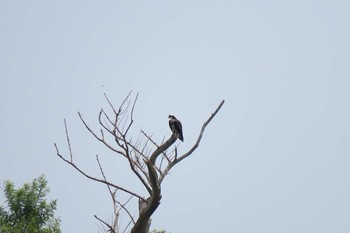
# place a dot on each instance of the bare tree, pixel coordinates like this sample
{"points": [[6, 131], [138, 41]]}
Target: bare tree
{"points": [[141, 155]]}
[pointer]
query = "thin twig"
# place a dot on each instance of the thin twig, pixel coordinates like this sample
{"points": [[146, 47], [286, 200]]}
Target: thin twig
{"points": [[132, 165], [94, 178], [104, 222], [68, 141], [98, 138], [177, 160], [132, 113], [139, 156], [112, 194], [154, 143]]}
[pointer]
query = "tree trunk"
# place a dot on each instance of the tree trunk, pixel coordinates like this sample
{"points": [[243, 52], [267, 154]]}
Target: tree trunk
{"points": [[142, 207]]}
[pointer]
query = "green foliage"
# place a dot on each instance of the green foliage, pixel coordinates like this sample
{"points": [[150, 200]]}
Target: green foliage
{"points": [[27, 210], [156, 231]]}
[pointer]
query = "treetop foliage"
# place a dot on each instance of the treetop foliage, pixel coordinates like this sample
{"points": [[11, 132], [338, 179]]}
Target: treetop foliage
{"points": [[27, 210], [158, 231]]}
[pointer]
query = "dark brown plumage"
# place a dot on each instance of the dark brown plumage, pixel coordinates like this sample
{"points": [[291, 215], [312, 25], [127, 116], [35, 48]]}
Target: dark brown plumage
{"points": [[176, 126]]}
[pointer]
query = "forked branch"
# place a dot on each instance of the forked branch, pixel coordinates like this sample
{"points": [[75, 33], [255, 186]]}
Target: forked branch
{"points": [[84, 173], [141, 155], [194, 147]]}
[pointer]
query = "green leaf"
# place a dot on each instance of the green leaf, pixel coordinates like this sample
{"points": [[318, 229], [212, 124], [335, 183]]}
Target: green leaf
{"points": [[26, 209]]}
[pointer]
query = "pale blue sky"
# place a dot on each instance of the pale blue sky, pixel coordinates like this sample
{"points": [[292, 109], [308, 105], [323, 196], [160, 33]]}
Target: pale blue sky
{"points": [[274, 160]]}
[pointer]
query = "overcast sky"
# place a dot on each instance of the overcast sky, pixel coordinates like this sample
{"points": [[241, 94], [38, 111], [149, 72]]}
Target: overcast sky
{"points": [[274, 160]]}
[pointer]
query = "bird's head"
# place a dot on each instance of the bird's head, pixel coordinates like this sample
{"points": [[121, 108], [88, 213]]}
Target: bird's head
{"points": [[171, 116]]}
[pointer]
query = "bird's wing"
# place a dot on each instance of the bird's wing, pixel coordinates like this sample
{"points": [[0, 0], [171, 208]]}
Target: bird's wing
{"points": [[178, 126]]}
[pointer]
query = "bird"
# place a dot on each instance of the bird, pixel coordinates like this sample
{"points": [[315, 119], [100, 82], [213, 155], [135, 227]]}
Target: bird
{"points": [[176, 126]]}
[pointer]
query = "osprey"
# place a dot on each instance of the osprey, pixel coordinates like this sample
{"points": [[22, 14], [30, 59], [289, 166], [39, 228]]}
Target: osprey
{"points": [[175, 126]]}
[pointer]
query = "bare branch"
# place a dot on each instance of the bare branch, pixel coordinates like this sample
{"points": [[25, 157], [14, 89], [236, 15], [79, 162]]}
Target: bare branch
{"points": [[132, 113], [127, 226], [94, 178], [111, 105], [201, 133], [162, 148], [113, 193], [177, 160], [142, 161], [68, 141], [102, 124], [154, 143], [149, 138], [125, 145], [107, 225], [132, 165], [98, 138]]}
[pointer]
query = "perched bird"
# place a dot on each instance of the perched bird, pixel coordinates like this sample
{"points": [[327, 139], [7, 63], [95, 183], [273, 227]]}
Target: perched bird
{"points": [[176, 126]]}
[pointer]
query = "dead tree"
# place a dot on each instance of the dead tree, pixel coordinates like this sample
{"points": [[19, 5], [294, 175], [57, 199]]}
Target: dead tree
{"points": [[141, 159]]}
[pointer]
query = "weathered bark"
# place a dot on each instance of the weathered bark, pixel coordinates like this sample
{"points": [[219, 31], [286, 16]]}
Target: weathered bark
{"points": [[141, 161], [152, 203]]}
